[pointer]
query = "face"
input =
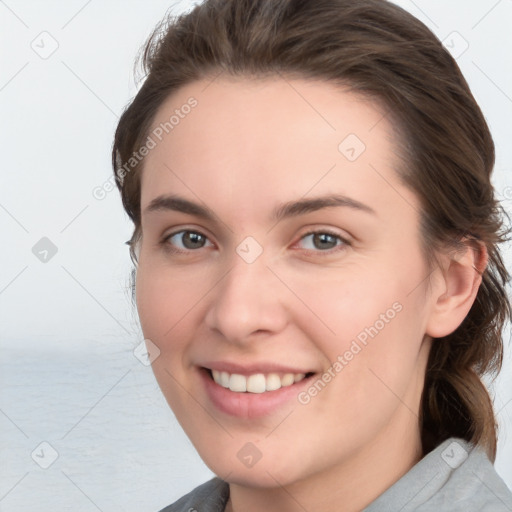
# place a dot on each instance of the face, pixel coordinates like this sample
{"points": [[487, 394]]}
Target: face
{"points": [[281, 255]]}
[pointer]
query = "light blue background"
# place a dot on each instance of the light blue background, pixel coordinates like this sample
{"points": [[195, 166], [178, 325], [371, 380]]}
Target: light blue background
{"points": [[68, 375]]}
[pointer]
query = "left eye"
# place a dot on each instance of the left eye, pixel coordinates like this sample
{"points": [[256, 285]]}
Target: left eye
{"points": [[321, 241], [187, 240]]}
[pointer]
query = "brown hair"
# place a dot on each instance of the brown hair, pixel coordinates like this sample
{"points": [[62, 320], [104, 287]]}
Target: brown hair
{"points": [[383, 52]]}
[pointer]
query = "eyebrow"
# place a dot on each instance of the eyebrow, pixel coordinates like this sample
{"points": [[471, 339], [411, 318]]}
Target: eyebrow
{"points": [[179, 204], [303, 206], [286, 210]]}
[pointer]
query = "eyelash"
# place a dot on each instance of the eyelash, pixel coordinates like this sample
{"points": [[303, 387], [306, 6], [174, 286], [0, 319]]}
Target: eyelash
{"points": [[343, 242]]}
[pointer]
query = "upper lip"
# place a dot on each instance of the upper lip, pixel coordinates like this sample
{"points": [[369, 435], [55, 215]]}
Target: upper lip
{"points": [[251, 369]]}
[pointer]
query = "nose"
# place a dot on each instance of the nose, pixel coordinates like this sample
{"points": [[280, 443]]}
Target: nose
{"points": [[246, 303]]}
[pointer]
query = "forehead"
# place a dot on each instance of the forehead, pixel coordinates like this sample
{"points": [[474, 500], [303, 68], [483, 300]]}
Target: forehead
{"points": [[235, 109], [240, 138]]}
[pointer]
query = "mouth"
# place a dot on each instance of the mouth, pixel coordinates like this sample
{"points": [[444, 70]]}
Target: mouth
{"points": [[257, 383], [248, 393]]}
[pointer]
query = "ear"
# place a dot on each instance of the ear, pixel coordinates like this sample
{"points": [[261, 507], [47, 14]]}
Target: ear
{"points": [[455, 293]]}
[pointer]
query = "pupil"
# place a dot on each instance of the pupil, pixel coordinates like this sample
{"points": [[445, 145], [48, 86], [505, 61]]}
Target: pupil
{"points": [[193, 240], [324, 241]]}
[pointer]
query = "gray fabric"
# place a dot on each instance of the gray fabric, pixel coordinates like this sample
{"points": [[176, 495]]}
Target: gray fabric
{"points": [[211, 496], [454, 477]]}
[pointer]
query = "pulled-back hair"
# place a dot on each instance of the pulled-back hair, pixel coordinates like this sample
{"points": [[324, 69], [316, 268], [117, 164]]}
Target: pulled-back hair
{"points": [[381, 51]]}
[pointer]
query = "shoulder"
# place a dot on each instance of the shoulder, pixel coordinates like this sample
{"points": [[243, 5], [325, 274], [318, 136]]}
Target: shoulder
{"points": [[208, 497], [456, 477], [472, 484]]}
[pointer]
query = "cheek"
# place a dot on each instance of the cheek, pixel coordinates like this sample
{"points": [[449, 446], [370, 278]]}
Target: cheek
{"points": [[345, 304], [368, 319], [167, 306], [165, 298]]}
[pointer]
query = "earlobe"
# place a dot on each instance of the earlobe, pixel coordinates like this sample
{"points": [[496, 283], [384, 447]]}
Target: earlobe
{"points": [[461, 278]]}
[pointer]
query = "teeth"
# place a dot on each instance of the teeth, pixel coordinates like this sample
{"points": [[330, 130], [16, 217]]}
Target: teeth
{"points": [[237, 383], [273, 382], [288, 379], [256, 383], [224, 379]]}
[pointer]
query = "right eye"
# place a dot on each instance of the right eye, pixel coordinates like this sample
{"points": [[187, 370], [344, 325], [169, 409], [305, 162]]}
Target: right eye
{"points": [[186, 240]]}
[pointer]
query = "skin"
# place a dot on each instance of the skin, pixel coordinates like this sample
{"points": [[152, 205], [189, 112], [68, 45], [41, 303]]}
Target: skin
{"points": [[246, 148]]}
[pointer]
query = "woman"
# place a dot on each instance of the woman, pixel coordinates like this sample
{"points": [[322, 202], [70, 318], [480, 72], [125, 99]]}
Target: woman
{"points": [[318, 275]]}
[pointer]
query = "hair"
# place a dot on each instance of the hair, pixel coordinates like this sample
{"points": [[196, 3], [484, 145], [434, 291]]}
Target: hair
{"points": [[380, 51]]}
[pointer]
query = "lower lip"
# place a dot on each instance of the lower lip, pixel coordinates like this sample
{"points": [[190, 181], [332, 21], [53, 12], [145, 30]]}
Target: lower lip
{"points": [[250, 405]]}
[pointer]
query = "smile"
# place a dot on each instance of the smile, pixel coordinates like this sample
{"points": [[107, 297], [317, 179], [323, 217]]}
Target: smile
{"points": [[257, 382]]}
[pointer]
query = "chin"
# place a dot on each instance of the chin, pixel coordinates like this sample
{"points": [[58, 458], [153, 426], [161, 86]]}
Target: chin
{"points": [[259, 479], [262, 474]]}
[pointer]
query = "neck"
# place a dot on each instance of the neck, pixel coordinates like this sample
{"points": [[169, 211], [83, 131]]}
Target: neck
{"points": [[349, 486]]}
